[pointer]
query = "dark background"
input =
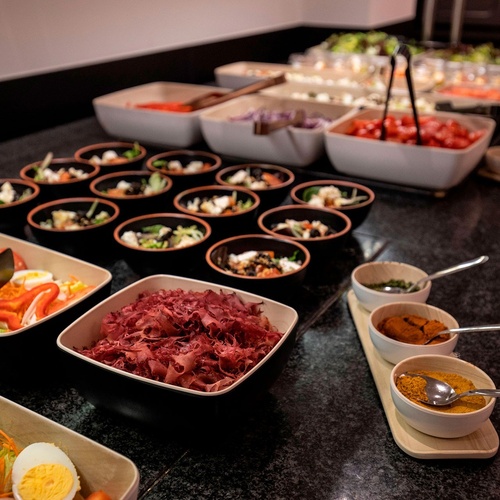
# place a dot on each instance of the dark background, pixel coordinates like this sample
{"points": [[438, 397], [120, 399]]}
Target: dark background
{"points": [[43, 101]]}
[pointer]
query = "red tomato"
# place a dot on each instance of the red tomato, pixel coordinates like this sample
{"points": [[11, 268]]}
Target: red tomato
{"points": [[433, 132], [457, 143], [19, 263], [98, 495]]}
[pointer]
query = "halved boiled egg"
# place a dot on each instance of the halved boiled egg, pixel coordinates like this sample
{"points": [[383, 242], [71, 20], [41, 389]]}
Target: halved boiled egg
{"points": [[42, 471], [31, 278]]}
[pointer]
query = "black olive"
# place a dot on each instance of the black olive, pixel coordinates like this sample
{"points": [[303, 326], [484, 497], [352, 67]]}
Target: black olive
{"points": [[134, 188]]}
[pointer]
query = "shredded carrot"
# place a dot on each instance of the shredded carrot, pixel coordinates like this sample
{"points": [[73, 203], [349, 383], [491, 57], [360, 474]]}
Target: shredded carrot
{"points": [[57, 304], [11, 450], [11, 291], [15, 300], [271, 179]]}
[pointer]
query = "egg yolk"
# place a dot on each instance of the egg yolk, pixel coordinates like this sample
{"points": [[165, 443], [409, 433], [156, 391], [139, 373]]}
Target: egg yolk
{"points": [[46, 482], [31, 278]]}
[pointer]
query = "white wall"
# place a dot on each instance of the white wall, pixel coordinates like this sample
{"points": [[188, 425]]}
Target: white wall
{"points": [[39, 36], [357, 14]]}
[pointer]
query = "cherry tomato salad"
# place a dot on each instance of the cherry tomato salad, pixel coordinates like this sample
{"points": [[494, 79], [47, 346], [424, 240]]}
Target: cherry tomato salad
{"points": [[433, 131]]}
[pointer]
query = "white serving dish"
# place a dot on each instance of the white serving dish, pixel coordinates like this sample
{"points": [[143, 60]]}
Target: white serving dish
{"points": [[289, 146], [118, 117], [405, 164], [382, 271], [37, 342], [428, 420], [362, 96], [62, 266], [395, 351], [242, 73], [98, 467], [151, 401]]}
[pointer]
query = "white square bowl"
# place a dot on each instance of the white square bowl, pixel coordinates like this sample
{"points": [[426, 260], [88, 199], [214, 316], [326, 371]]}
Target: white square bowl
{"points": [[98, 467], [405, 164], [155, 402], [37, 342], [289, 146], [119, 118], [238, 74]]}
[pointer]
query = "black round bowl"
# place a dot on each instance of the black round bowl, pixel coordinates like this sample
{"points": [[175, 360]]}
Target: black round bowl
{"points": [[13, 213], [223, 225], [64, 189], [280, 287], [120, 148], [132, 205], [319, 247], [183, 178], [356, 212], [185, 261], [271, 193], [91, 241]]}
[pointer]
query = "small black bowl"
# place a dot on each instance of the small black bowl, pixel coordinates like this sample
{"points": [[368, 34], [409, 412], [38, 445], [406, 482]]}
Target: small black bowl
{"points": [[277, 286], [319, 246], [94, 153], [133, 205], [24, 195], [182, 261], [356, 212], [69, 188], [271, 182], [183, 177], [91, 241], [224, 224]]}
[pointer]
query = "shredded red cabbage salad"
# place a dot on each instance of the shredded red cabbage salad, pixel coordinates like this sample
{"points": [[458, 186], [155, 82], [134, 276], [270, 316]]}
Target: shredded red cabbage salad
{"points": [[198, 340], [311, 121]]}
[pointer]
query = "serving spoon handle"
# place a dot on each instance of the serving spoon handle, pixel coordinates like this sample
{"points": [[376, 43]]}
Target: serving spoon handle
{"points": [[465, 329], [450, 270]]}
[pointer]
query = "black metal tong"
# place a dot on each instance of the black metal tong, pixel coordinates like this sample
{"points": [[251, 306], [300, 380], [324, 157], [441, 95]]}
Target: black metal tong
{"points": [[401, 49]]}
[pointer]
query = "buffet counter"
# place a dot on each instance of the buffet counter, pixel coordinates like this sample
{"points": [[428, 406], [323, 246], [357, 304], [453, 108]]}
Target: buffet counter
{"points": [[321, 431]]}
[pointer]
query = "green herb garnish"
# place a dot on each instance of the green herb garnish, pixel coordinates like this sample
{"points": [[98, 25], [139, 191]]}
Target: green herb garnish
{"points": [[132, 153]]}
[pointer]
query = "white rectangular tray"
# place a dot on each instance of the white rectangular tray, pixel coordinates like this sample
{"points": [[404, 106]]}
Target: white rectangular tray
{"points": [[480, 444], [98, 467], [242, 73]]}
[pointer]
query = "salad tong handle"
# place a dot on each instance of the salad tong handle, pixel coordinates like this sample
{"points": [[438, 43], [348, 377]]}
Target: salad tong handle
{"points": [[401, 49]]}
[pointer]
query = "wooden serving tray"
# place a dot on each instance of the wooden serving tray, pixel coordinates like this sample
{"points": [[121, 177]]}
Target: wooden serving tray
{"points": [[480, 444]]}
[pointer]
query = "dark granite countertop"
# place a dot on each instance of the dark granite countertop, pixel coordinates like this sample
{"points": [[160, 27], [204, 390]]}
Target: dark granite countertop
{"points": [[321, 431]]}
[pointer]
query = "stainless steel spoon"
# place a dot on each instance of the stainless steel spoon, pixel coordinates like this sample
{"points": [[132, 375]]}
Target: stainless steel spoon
{"points": [[440, 393], [438, 274], [465, 329], [6, 266]]}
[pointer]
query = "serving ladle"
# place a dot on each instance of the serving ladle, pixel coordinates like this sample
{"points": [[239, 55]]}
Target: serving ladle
{"points": [[6, 266], [440, 393], [438, 274]]}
